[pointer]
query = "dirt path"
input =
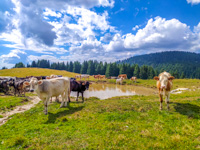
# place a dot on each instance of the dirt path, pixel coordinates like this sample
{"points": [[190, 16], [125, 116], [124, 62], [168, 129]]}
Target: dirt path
{"points": [[19, 109]]}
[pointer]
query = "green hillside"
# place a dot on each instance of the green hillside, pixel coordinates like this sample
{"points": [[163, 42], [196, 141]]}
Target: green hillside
{"points": [[174, 61], [23, 72]]}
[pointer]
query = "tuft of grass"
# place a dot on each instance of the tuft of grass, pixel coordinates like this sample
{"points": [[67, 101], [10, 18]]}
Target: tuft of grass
{"points": [[10, 102]]}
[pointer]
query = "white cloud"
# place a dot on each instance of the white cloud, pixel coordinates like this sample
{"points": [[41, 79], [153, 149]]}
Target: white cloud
{"points": [[49, 12], [135, 28], [194, 2], [161, 33], [10, 59]]}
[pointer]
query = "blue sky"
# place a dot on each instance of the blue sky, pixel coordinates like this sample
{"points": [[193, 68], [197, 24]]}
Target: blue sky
{"points": [[103, 30]]}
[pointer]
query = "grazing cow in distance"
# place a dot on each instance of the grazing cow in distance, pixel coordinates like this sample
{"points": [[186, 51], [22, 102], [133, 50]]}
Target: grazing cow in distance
{"points": [[124, 76], [85, 76], [134, 79], [49, 88], [96, 76], [102, 77], [79, 87], [164, 86], [77, 76], [113, 77], [120, 80]]}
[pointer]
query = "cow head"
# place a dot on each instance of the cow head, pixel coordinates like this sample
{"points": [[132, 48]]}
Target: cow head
{"points": [[85, 85], [33, 84], [163, 79]]}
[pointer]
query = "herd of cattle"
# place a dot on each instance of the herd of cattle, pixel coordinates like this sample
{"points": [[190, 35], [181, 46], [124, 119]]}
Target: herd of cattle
{"points": [[47, 87]]}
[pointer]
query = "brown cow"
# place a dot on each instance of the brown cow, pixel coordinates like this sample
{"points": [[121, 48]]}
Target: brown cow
{"points": [[164, 85], [102, 76], [96, 76], [134, 79], [124, 76]]}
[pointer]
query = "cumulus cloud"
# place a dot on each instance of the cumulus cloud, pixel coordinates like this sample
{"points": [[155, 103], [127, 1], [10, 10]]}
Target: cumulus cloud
{"points": [[161, 33], [194, 2], [13, 57]]}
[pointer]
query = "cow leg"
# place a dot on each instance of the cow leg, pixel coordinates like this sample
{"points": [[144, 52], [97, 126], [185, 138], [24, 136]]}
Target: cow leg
{"points": [[66, 96], [46, 105], [57, 99], [50, 100], [69, 96], [161, 100], [77, 96], [167, 101], [82, 96], [62, 103]]}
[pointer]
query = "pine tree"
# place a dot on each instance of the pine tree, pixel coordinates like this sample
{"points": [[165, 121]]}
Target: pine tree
{"points": [[136, 71]]}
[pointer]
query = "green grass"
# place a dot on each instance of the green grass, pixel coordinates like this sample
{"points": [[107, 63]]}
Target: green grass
{"points": [[9, 102], [133, 122]]}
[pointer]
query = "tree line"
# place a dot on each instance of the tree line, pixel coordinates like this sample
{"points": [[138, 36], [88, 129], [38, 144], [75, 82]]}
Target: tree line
{"points": [[182, 64], [94, 67]]}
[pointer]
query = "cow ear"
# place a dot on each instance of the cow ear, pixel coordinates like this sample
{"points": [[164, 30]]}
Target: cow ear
{"points": [[40, 82], [156, 78], [171, 78], [26, 83]]}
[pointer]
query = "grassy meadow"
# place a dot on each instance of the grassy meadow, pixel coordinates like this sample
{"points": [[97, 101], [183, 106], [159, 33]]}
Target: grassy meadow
{"points": [[23, 72], [127, 122]]}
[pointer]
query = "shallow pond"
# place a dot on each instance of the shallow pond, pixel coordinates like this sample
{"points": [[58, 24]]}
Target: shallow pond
{"points": [[104, 91]]}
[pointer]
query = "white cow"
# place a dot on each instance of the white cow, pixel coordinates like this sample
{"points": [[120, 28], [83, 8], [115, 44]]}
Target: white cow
{"points": [[120, 80], [85, 76], [45, 89]]}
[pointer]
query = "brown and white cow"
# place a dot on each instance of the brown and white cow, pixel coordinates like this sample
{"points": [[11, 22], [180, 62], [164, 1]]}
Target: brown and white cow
{"points": [[124, 76], [134, 79], [46, 89], [164, 85]]}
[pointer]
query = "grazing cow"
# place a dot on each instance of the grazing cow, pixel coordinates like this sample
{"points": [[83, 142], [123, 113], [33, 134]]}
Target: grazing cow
{"points": [[96, 76], [124, 76], [85, 76], [102, 76], [48, 88], [18, 86], [120, 80], [4, 86], [134, 79], [113, 77], [79, 87], [164, 85]]}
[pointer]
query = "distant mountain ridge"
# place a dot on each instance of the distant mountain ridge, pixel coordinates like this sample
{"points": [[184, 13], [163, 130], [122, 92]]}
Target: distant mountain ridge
{"points": [[173, 61]]}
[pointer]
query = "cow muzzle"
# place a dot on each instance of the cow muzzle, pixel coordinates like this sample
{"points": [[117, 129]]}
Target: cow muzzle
{"points": [[163, 87], [31, 90]]}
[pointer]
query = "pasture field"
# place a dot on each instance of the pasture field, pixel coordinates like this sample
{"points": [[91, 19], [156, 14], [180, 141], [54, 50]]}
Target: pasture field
{"points": [[23, 72], [131, 122]]}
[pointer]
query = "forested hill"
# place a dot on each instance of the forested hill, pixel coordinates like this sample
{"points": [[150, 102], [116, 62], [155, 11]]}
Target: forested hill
{"points": [[174, 61]]}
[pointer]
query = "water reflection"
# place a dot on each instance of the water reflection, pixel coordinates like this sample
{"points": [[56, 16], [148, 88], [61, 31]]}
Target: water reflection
{"points": [[104, 91]]}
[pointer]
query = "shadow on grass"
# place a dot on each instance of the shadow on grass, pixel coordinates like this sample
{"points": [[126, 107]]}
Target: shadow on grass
{"points": [[52, 117], [190, 110]]}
